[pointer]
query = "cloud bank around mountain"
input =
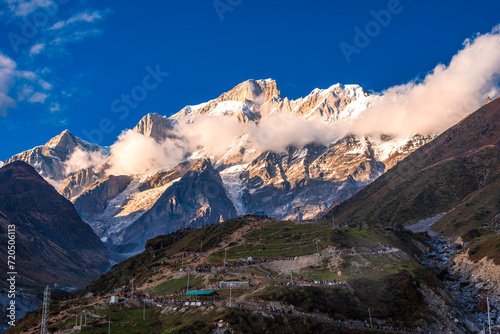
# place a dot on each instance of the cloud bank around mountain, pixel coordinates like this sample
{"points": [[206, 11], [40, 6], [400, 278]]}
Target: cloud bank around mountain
{"points": [[81, 159], [442, 98], [445, 96], [135, 153]]}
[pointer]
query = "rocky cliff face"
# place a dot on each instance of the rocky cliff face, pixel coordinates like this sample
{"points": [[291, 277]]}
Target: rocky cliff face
{"points": [[197, 199], [96, 197], [301, 183], [253, 99], [243, 101], [75, 184], [155, 126]]}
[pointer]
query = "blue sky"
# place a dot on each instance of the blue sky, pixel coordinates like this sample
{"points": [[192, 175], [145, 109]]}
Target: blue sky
{"points": [[83, 55]]}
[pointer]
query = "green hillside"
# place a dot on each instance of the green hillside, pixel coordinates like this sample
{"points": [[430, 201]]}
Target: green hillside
{"points": [[323, 274]]}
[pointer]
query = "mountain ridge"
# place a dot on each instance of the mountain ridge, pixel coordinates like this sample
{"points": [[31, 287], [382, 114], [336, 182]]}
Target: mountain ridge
{"points": [[435, 178], [53, 244]]}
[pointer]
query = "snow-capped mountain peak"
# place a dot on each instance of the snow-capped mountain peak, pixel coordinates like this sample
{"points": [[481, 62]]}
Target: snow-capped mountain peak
{"points": [[292, 182]]}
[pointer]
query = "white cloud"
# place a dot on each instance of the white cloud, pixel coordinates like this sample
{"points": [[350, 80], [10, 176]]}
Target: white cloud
{"points": [[25, 92], [135, 153], [81, 17], [442, 98], [54, 107], [38, 98], [23, 8], [37, 48], [81, 159], [430, 106], [277, 131], [75, 36], [44, 84], [86, 17], [7, 78], [22, 81], [214, 133]]}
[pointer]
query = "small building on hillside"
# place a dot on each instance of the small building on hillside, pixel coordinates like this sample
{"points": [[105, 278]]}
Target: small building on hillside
{"points": [[203, 295], [234, 285]]}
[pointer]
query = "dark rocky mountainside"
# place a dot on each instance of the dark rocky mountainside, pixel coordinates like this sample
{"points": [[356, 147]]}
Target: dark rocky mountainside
{"points": [[95, 198], [459, 168], [53, 244]]}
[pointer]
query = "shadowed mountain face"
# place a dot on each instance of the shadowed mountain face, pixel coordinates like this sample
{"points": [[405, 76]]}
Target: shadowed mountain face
{"points": [[53, 244], [197, 199], [458, 168]]}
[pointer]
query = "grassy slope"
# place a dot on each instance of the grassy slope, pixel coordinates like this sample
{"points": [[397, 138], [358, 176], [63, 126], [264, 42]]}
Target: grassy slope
{"points": [[143, 264], [476, 209], [275, 239], [385, 282], [194, 320], [487, 246], [395, 297]]}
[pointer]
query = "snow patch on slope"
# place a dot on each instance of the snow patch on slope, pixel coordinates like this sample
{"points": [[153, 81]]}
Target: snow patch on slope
{"points": [[385, 149], [234, 186], [229, 108]]}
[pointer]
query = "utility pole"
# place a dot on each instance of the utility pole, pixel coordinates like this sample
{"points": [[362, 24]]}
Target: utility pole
{"points": [[369, 313], [230, 287], [489, 320], [45, 310]]}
